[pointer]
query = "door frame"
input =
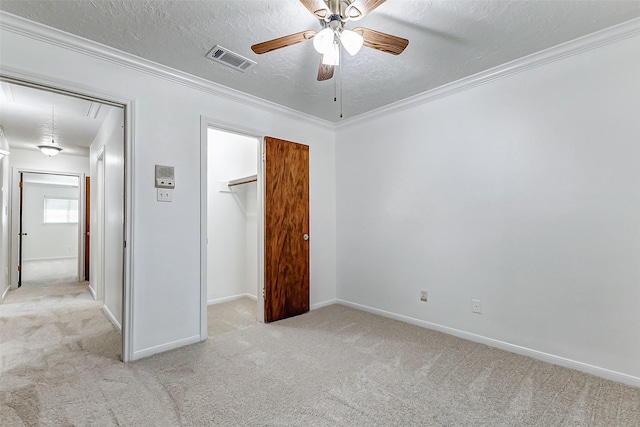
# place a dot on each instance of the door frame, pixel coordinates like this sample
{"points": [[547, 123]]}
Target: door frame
{"points": [[207, 123], [42, 82], [14, 252], [99, 187], [87, 228]]}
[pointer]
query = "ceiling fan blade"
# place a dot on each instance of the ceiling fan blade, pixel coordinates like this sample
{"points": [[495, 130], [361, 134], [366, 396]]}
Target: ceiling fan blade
{"points": [[381, 41], [317, 7], [281, 42], [361, 8], [325, 72]]}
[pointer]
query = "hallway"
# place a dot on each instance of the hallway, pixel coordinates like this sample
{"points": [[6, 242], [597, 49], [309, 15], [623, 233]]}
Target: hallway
{"points": [[47, 330]]}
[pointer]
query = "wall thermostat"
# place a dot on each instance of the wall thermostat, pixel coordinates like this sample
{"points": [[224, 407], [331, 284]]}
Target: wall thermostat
{"points": [[165, 177]]}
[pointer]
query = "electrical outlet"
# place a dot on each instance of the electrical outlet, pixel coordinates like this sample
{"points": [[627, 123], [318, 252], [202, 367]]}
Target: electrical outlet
{"points": [[476, 307], [423, 296]]}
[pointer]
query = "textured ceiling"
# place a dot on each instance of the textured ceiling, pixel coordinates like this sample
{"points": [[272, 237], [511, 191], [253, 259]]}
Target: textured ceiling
{"points": [[25, 117], [449, 40]]}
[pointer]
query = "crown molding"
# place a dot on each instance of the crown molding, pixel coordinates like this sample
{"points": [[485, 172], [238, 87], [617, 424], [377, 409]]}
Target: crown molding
{"points": [[556, 53], [53, 36]]}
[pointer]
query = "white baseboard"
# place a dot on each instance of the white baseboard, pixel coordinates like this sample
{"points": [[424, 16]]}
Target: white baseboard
{"points": [[58, 258], [112, 317], [93, 293], [165, 347], [524, 351], [323, 304], [253, 297], [231, 298], [4, 293]]}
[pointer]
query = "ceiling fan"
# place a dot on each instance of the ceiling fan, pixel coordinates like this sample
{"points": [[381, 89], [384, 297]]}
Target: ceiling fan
{"points": [[333, 15]]}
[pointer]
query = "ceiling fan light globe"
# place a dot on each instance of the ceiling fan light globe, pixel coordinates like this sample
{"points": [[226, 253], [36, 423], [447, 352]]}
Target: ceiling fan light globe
{"points": [[332, 57], [351, 41], [323, 41]]}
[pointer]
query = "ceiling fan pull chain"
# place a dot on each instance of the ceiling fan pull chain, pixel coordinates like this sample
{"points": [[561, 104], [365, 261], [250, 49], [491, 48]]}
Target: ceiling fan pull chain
{"points": [[335, 89], [340, 77]]}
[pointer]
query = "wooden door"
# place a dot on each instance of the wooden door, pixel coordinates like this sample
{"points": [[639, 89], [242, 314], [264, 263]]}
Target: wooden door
{"points": [[286, 226], [87, 225]]}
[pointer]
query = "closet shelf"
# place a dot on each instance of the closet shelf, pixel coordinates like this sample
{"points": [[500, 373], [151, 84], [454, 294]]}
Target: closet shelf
{"points": [[245, 180]]}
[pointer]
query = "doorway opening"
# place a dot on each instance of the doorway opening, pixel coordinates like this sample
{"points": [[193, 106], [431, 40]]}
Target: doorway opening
{"points": [[234, 220], [50, 230], [93, 137]]}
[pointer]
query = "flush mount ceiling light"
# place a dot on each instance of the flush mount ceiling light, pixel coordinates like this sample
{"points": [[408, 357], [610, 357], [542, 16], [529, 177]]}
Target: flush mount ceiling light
{"points": [[50, 149]]}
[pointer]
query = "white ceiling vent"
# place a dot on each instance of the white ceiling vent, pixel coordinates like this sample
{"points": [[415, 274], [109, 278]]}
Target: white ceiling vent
{"points": [[231, 59]]}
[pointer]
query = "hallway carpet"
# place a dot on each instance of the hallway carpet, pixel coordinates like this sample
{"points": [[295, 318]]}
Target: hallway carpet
{"points": [[49, 271], [332, 366]]}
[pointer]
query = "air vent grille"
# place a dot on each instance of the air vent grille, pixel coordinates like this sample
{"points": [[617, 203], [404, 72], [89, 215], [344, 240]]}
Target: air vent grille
{"points": [[230, 59]]}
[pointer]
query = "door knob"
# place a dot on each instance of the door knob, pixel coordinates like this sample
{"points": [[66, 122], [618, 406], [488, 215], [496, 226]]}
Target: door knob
{"points": [[305, 237], [22, 234]]}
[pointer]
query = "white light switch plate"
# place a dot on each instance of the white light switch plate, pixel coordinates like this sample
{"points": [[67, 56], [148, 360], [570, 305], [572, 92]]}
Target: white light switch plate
{"points": [[164, 195]]}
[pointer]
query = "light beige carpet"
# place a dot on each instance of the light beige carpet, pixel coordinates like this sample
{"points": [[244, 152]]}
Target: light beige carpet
{"points": [[50, 271], [332, 366], [43, 297]]}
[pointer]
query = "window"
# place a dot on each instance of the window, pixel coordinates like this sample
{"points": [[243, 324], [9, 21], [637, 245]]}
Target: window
{"points": [[60, 211]]}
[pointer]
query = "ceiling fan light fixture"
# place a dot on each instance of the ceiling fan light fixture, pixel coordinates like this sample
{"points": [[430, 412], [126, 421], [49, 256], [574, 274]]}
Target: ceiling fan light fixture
{"points": [[351, 41], [323, 41], [50, 150], [333, 56]]}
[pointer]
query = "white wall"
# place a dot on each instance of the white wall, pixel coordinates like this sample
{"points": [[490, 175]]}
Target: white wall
{"points": [[522, 192], [166, 130], [34, 160], [109, 142], [46, 241], [4, 217], [232, 228], [251, 240]]}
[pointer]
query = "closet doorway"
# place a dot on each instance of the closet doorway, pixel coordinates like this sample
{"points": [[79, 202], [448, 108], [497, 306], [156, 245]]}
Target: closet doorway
{"points": [[232, 219], [256, 217]]}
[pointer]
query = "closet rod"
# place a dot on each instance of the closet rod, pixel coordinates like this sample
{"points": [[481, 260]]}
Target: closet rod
{"points": [[245, 180]]}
